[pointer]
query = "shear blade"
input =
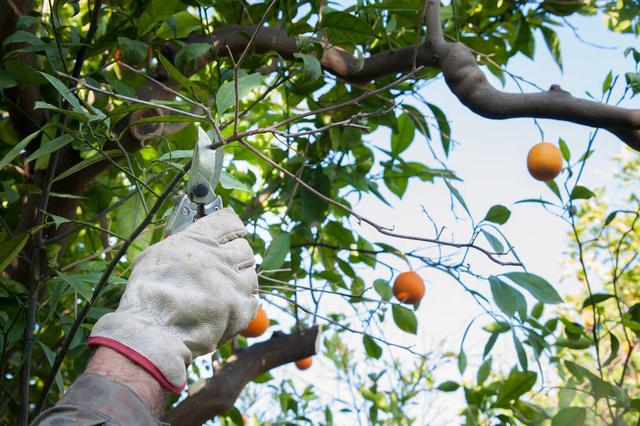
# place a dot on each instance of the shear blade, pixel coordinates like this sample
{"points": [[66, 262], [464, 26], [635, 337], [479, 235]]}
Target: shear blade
{"points": [[205, 169]]}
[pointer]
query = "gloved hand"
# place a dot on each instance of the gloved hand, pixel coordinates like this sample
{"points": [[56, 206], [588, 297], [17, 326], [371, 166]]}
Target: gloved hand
{"points": [[186, 294]]}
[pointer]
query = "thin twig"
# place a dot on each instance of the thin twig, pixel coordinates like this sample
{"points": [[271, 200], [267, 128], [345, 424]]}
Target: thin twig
{"points": [[382, 229], [83, 83]]}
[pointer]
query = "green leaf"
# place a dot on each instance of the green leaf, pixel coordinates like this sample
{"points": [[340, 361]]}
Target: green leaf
{"points": [[278, 250], [228, 181], [633, 80], [23, 37], [522, 355], [405, 319], [383, 288], [483, 371], [312, 69], [77, 284], [443, 126], [155, 11], [498, 214], [553, 43], [51, 356], [497, 327], [58, 220], [595, 299], [516, 385], [610, 217], [64, 92], [225, 98], [573, 343], [50, 146], [17, 148], [489, 345], [176, 154], [508, 299], [88, 162], [11, 248], [80, 116], [346, 28], [462, 362], [537, 286], [6, 81], [536, 311], [553, 186], [457, 196], [262, 378], [401, 139], [606, 84], [22, 73], [564, 149], [189, 53], [614, 343], [371, 347], [178, 25], [581, 193], [173, 71], [599, 388], [134, 51], [570, 416], [494, 242], [418, 119], [535, 201], [524, 41], [448, 386]]}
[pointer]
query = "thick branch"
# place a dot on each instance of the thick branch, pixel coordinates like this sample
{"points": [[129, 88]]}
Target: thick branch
{"points": [[470, 85], [459, 67], [222, 390]]}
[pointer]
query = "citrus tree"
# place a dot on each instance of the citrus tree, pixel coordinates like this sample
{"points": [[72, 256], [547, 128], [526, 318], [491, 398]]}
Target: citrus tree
{"points": [[100, 104]]}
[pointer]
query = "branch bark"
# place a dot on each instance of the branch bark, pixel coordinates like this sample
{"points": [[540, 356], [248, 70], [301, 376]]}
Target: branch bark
{"points": [[459, 67], [221, 391]]}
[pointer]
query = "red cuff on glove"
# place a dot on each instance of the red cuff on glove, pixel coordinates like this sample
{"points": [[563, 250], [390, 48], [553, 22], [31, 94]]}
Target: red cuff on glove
{"points": [[137, 358]]}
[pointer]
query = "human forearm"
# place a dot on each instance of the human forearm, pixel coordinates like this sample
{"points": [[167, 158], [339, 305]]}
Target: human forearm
{"points": [[111, 364]]}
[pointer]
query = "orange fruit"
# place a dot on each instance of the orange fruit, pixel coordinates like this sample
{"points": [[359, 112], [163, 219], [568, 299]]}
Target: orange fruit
{"points": [[258, 325], [408, 287], [544, 161], [304, 363]]}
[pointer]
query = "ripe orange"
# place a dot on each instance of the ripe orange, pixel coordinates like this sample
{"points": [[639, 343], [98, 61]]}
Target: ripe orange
{"points": [[408, 287], [304, 363], [258, 325], [544, 161]]}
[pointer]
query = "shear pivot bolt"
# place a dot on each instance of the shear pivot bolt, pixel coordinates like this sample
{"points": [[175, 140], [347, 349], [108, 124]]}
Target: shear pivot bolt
{"points": [[185, 211], [200, 190]]}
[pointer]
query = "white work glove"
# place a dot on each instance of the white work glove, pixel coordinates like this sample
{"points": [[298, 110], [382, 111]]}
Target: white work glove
{"points": [[186, 295]]}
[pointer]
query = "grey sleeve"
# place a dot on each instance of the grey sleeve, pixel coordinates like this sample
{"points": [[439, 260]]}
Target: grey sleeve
{"points": [[96, 400]]}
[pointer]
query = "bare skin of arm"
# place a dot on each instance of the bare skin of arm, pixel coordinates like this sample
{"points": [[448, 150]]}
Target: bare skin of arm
{"points": [[111, 364]]}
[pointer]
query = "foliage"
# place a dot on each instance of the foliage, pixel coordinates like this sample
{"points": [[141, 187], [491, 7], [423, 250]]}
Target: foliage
{"points": [[85, 166]]}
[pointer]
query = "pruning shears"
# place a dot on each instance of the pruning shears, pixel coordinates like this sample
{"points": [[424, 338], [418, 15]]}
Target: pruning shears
{"points": [[199, 199]]}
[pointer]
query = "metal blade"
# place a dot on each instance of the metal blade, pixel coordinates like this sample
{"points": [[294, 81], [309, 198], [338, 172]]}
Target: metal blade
{"points": [[205, 170]]}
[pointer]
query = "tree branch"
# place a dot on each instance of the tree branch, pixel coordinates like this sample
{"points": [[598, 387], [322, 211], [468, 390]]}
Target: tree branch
{"points": [[459, 67], [222, 390]]}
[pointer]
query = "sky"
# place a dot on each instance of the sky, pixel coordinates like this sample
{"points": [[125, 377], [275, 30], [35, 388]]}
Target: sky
{"points": [[491, 161]]}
